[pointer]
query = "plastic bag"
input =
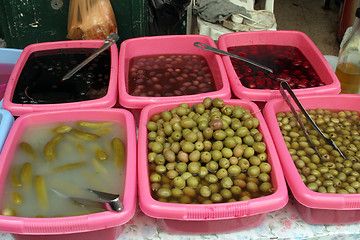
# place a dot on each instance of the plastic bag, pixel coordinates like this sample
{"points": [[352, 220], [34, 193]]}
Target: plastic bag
{"points": [[90, 19], [164, 15]]}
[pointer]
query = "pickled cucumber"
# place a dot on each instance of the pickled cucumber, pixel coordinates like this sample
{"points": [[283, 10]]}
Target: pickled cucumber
{"points": [[26, 174], [50, 147], [26, 147], [94, 124], [119, 152], [100, 154], [69, 166], [62, 129], [41, 191], [85, 135], [14, 177], [16, 197], [8, 211]]}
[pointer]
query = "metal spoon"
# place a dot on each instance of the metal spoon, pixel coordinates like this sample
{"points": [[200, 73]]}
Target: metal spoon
{"points": [[110, 40], [216, 50], [285, 86], [108, 201]]}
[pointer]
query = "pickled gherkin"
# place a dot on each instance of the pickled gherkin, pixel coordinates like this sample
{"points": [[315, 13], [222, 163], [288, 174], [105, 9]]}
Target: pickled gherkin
{"points": [[50, 147], [62, 129], [69, 166], [41, 192], [26, 147], [94, 124], [100, 154], [85, 135], [26, 175], [119, 152], [17, 199], [15, 177]]}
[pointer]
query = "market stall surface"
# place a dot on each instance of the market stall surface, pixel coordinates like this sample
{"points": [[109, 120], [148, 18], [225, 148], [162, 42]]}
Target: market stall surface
{"points": [[284, 224]]}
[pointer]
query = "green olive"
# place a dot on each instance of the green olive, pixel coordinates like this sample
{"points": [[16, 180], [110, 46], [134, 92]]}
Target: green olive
{"points": [[219, 135], [192, 182], [226, 182], [188, 147], [221, 173], [169, 155], [179, 182], [252, 187], [151, 126], [253, 171], [249, 152], [193, 167], [205, 191], [164, 193], [181, 167], [244, 164]]}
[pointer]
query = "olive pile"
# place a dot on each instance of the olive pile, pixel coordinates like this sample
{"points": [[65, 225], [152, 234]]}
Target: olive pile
{"points": [[207, 153], [329, 173]]}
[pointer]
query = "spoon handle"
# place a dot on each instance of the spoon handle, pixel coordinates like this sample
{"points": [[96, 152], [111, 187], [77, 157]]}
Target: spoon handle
{"points": [[285, 86], [216, 50], [110, 40]]}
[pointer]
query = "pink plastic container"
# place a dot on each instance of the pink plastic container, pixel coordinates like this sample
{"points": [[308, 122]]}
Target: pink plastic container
{"points": [[102, 225], [107, 101], [280, 38], [209, 218], [314, 207], [176, 44]]}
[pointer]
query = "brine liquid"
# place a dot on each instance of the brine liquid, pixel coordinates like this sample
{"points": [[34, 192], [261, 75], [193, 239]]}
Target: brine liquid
{"points": [[66, 182], [349, 77], [40, 79], [170, 75], [288, 63]]}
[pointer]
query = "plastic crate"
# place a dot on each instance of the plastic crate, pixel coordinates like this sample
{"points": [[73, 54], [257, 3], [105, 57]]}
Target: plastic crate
{"points": [[314, 207], [106, 101], [209, 218], [278, 38], [106, 224]]}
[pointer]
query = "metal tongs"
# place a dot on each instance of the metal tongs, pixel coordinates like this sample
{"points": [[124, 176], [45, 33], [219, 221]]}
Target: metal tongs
{"points": [[110, 40], [285, 86], [108, 201], [218, 51]]}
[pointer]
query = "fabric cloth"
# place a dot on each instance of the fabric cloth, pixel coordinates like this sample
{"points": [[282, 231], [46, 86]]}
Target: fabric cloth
{"points": [[215, 11]]}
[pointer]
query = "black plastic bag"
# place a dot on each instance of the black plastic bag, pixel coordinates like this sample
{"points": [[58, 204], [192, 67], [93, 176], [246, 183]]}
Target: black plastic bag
{"points": [[164, 15]]}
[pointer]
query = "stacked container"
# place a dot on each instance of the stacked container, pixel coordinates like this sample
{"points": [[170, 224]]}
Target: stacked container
{"points": [[168, 45], [106, 224]]}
